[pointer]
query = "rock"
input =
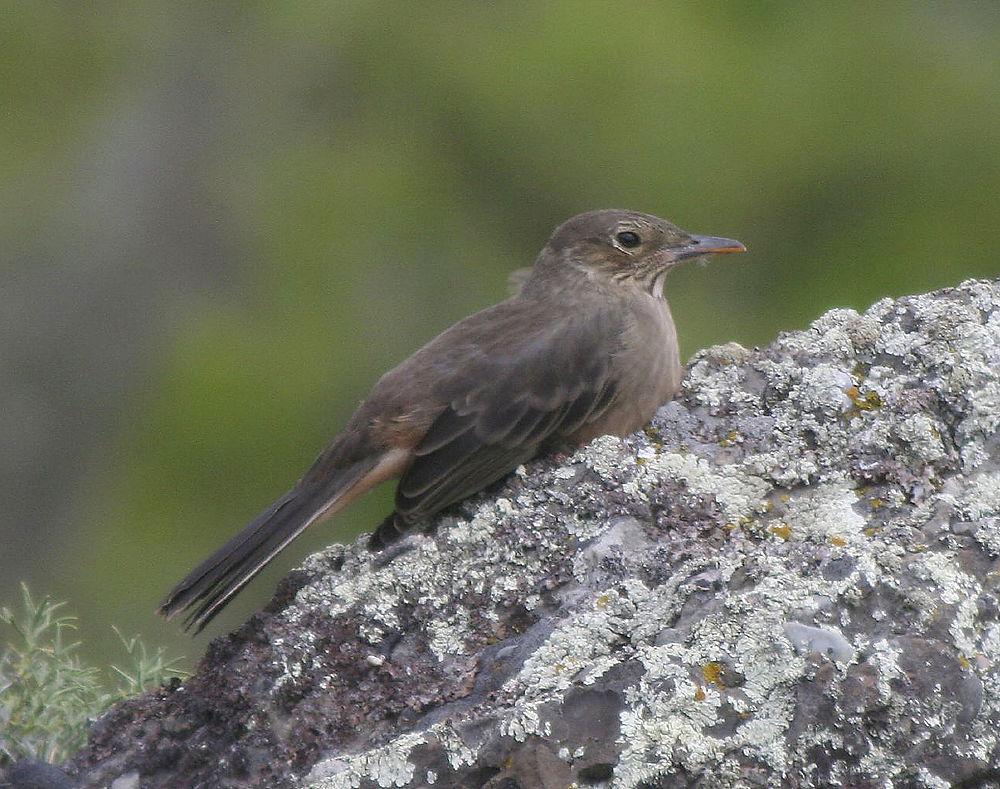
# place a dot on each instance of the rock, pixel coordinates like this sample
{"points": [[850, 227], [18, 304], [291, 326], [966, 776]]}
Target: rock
{"points": [[789, 579], [34, 774]]}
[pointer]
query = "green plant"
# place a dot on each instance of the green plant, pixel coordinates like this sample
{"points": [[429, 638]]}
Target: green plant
{"points": [[47, 693]]}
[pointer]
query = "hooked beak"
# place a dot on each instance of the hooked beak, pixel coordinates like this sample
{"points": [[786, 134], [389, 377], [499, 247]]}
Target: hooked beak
{"points": [[707, 245]]}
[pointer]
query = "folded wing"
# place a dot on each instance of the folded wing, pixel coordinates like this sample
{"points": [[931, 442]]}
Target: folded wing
{"points": [[510, 404]]}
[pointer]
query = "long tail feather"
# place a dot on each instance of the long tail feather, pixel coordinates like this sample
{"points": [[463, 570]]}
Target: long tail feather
{"points": [[215, 581]]}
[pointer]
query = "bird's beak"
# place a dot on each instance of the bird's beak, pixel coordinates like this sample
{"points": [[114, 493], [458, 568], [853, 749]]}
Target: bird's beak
{"points": [[707, 245]]}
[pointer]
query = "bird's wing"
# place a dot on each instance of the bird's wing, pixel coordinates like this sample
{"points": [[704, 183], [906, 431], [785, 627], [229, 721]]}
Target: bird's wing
{"points": [[511, 399]]}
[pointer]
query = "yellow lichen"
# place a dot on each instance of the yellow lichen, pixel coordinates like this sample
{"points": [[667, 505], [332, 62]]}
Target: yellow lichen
{"points": [[784, 531], [863, 401], [712, 673], [654, 438]]}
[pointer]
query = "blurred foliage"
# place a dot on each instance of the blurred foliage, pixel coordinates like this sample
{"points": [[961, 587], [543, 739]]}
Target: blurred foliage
{"points": [[47, 693], [377, 168]]}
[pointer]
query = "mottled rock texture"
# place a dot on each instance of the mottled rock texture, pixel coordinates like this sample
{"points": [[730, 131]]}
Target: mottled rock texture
{"points": [[792, 578]]}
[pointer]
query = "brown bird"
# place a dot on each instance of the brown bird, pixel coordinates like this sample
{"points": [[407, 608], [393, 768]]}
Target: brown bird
{"points": [[587, 347]]}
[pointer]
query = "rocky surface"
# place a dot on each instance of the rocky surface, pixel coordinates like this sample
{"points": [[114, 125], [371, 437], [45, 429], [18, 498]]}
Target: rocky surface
{"points": [[790, 579]]}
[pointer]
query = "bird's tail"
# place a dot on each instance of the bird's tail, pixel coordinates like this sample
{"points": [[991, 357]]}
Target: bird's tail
{"points": [[215, 581]]}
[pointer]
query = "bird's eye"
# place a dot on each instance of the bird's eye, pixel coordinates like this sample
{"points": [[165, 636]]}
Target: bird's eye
{"points": [[628, 239]]}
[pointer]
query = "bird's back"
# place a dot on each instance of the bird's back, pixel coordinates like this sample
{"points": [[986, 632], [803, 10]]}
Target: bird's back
{"points": [[515, 348]]}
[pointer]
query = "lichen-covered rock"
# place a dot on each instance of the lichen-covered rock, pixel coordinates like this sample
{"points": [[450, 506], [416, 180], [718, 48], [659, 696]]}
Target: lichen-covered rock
{"points": [[792, 578]]}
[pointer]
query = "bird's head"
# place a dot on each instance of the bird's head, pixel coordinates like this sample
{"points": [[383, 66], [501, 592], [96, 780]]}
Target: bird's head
{"points": [[627, 248]]}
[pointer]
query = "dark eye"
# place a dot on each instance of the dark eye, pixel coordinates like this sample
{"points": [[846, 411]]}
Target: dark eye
{"points": [[628, 239]]}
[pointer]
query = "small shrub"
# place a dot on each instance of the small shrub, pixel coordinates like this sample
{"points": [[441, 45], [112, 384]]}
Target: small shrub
{"points": [[47, 694]]}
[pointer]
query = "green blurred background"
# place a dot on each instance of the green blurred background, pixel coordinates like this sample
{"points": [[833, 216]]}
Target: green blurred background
{"points": [[221, 222]]}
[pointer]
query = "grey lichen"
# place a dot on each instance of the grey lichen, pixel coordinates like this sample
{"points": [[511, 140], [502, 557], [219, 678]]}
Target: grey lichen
{"points": [[789, 579]]}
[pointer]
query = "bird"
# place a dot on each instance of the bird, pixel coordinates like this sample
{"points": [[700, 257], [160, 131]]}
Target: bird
{"points": [[586, 347]]}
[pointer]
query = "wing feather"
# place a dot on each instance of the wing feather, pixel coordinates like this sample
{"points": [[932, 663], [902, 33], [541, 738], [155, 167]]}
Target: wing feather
{"points": [[482, 469], [448, 427], [510, 404]]}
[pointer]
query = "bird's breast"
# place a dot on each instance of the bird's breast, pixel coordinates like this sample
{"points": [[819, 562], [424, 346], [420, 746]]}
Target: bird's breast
{"points": [[647, 367]]}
